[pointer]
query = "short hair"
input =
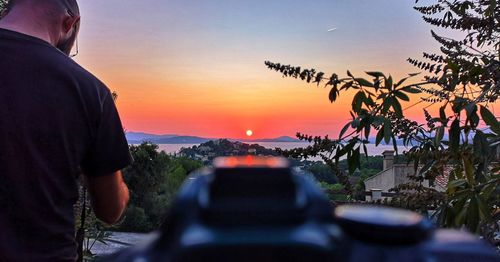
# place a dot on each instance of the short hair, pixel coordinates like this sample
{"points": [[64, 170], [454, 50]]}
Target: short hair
{"points": [[59, 5]]}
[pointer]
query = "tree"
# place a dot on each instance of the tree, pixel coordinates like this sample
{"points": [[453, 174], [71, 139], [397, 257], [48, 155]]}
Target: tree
{"points": [[463, 79], [153, 180]]}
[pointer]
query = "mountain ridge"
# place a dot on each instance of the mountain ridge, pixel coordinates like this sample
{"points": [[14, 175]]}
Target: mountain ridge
{"points": [[140, 137]]}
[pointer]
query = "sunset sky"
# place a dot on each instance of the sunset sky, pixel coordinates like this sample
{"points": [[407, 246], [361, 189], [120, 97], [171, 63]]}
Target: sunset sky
{"points": [[197, 67]]}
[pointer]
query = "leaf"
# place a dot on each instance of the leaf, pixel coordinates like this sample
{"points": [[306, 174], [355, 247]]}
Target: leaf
{"points": [[416, 164], [370, 94], [472, 220], [357, 102], [344, 130], [346, 86], [102, 241], [402, 96], [458, 183], [355, 123], [488, 190], [469, 170], [353, 160], [490, 120], [411, 90], [481, 147], [375, 74], [387, 104], [388, 83], [378, 120], [397, 107], [470, 109], [349, 74], [401, 81], [380, 136], [439, 135], [395, 144], [368, 128], [333, 94], [357, 157], [454, 135], [364, 82], [387, 131], [350, 145], [426, 167], [484, 211], [382, 95], [461, 207], [474, 120], [319, 78], [442, 113]]}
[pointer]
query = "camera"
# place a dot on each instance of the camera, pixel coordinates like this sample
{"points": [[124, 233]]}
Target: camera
{"points": [[260, 209]]}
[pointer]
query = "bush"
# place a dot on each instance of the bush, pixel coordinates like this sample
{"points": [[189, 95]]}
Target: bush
{"points": [[136, 220]]}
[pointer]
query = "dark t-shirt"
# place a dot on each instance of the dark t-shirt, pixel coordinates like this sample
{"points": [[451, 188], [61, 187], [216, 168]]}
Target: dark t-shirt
{"points": [[56, 120]]}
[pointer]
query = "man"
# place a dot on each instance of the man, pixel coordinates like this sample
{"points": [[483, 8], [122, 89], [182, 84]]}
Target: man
{"points": [[56, 121]]}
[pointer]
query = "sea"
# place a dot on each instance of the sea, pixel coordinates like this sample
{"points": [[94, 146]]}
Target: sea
{"points": [[372, 149]]}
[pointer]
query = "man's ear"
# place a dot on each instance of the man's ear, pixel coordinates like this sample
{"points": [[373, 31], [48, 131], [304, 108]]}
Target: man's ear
{"points": [[70, 22]]}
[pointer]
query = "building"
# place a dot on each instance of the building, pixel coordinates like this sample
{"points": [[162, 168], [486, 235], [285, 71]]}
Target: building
{"points": [[393, 175]]}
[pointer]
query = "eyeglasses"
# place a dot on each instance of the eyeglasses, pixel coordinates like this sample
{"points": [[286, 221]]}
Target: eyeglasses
{"points": [[76, 48], [75, 53]]}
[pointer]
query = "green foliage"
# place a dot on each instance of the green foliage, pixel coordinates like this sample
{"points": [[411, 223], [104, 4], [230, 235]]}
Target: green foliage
{"points": [[326, 176], [335, 192], [89, 229], [146, 172], [136, 220], [95, 232], [332, 187], [463, 80], [322, 172], [153, 180]]}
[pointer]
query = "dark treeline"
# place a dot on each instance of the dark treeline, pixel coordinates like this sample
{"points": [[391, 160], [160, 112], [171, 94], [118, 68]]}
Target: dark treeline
{"points": [[155, 177]]}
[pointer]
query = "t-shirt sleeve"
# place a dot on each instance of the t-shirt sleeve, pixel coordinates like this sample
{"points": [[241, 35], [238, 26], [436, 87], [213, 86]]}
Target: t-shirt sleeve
{"points": [[109, 151]]}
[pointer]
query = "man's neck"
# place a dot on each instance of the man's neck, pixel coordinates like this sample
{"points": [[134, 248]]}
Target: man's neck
{"points": [[25, 24]]}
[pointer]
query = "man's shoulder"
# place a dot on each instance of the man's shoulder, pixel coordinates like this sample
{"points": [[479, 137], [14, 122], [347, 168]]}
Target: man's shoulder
{"points": [[45, 58], [87, 82], [83, 75]]}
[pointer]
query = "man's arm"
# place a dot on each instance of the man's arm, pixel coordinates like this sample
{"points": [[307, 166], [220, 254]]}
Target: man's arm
{"points": [[109, 196]]}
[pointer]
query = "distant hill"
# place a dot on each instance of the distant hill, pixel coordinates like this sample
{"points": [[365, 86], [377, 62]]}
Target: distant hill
{"points": [[277, 139], [139, 137], [182, 140]]}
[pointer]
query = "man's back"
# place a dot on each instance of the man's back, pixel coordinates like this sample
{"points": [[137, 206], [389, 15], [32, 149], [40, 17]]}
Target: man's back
{"points": [[55, 118]]}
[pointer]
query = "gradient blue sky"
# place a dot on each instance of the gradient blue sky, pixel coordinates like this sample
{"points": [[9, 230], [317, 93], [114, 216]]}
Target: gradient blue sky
{"points": [[196, 67]]}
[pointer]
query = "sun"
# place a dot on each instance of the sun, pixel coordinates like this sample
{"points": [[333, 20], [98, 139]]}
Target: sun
{"points": [[249, 132]]}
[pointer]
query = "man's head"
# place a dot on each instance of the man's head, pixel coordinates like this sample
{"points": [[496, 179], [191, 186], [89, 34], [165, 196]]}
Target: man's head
{"points": [[60, 17]]}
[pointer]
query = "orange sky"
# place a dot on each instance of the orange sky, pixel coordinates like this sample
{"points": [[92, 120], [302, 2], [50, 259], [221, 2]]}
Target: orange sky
{"points": [[197, 68]]}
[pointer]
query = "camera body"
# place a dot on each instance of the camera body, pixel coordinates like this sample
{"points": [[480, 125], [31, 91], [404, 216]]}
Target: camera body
{"points": [[260, 209]]}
